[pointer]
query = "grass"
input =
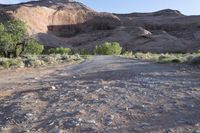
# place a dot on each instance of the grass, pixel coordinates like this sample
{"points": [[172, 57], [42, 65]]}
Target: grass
{"points": [[192, 58], [39, 60], [86, 56], [7, 63]]}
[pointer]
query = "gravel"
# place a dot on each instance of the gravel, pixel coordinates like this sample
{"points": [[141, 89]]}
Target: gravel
{"points": [[104, 94]]}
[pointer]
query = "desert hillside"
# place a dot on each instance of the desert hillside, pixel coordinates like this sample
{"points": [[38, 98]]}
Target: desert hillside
{"points": [[71, 24]]}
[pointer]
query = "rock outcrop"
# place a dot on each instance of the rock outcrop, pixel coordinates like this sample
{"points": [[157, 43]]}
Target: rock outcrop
{"points": [[69, 23]]}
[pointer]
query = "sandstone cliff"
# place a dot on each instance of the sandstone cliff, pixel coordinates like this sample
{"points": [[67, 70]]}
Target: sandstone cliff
{"points": [[71, 24]]}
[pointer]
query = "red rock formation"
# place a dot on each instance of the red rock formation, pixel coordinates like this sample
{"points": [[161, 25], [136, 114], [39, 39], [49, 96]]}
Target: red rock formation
{"points": [[71, 24]]}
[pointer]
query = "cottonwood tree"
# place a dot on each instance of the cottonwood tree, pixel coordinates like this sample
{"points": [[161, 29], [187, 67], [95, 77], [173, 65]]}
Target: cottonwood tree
{"points": [[13, 36]]}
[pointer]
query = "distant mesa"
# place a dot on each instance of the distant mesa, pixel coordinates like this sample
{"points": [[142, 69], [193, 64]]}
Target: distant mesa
{"points": [[168, 12]]}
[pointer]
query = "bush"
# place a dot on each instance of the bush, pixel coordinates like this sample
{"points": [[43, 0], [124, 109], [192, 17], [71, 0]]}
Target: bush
{"points": [[13, 40], [108, 48], [84, 52], [33, 47], [172, 58], [7, 63], [38, 60], [128, 53], [195, 60], [12, 34], [146, 56], [59, 51], [75, 57], [34, 63], [52, 59]]}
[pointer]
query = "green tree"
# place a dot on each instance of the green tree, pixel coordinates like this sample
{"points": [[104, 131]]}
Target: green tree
{"points": [[108, 48], [33, 47], [17, 29], [116, 48], [12, 37], [6, 41]]}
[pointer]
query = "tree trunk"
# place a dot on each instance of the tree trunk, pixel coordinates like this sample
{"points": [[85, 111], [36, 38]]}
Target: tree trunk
{"points": [[5, 53]]}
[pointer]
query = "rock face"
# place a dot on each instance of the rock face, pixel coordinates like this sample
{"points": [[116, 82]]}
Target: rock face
{"points": [[71, 24]]}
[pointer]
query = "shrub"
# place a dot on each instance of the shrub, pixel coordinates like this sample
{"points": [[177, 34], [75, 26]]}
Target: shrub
{"points": [[37, 60], [7, 63], [18, 50], [59, 51], [75, 57], [108, 48], [84, 52], [13, 40], [33, 47], [146, 56], [34, 63], [12, 34], [195, 60], [170, 58], [128, 53], [52, 59]]}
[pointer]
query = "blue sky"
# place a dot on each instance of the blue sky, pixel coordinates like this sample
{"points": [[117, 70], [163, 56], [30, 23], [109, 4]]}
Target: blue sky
{"points": [[188, 7]]}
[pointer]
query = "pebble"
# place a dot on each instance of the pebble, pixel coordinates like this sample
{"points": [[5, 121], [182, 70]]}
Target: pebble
{"points": [[105, 87], [168, 131], [197, 125], [89, 130], [91, 122], [53, 87], [75, 99], [51, 124], [70, 123], [29, 114], [144, 124], [127, 108], [58, 131], [109, 120]]}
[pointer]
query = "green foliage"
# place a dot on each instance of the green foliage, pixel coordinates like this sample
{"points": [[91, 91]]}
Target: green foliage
{"points": [[84, 52], [7, 63], [13, 40], [2, 28], [59, 51], [195, 60], [18, 50], [38, 60], [12, 34], [141, 56], [6, 43], [191, 58], [108, 48], [128, 53], [117, 49], [17, 30], [33, 47], [169, 59]]}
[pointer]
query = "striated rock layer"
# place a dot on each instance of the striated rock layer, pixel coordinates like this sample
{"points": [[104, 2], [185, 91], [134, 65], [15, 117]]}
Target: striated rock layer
{"points": [[71, 24]]}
